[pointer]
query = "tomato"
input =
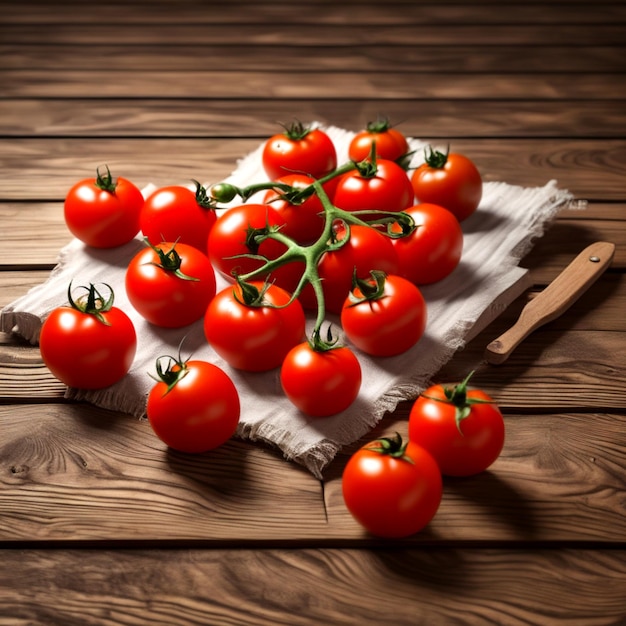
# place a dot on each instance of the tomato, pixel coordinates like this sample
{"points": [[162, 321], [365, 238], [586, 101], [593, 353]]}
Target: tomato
{"points": [[450, 180], [304, 221], [390, 143], [392, 489], [234, 234], [299, 150], [462, 428], [194, 407], [433, 250], [89, 344], [103, 212], [321, 382], [384, 315], [170, 284], [176, 213], [367, 249], [384, 186], [253, 331]]}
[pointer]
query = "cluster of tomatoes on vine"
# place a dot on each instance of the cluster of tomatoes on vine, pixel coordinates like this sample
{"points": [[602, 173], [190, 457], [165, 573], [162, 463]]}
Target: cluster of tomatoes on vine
{"points": [[355, 241]]}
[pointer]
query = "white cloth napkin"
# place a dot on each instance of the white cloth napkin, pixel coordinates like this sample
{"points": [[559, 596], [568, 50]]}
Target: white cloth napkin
{"points": [[488, 278]]}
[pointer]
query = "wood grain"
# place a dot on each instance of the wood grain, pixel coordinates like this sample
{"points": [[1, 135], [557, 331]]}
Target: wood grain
{"points": [[101, 525], [312, 85], [593, 170], [209, 117], [86, 474], [309, 34], [568, 58], [283, 587]]}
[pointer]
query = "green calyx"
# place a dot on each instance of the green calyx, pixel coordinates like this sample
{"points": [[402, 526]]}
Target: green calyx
{"points": [[371, 289], [381, 125], [173, 372], [391, 446], [297, 130], [458, 397], [436, 159], [169, 260], [93, 302], [106, 182], [203, 199], [309, 255]]}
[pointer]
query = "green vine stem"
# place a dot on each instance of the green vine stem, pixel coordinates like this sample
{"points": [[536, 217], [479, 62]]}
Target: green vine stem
{"points": [[311, 254]]}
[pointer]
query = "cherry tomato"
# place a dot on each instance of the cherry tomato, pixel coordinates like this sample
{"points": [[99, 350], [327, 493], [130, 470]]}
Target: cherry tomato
{"points": [[176, 213], [462, 428], [450, 180], [433, 250], [304, 221], [253, 326], [367, 249], [391, 144], [103, 212], [392, 489], [89, 344], [170, 284], [384, 315], [194, 407], [321, 382], [299, 150], [384, 186], [235, 233]]}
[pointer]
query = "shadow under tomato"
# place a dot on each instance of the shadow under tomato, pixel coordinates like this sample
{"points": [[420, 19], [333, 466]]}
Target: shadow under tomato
{"points": [[499, 498]]}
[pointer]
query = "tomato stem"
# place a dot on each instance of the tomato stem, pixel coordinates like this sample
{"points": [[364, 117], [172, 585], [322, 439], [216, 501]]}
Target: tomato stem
{"points": [[169, 260], [105, 182], [92, 303], [436, 159], [457, 396], [311, 254], [391, 446]]}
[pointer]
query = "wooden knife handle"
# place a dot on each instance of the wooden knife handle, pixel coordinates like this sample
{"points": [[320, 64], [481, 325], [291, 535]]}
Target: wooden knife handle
{"points": [[556, 298]]}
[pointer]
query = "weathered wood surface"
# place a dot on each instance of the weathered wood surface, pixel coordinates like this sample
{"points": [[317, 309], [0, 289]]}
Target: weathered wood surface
{"points": [[100, 524]]}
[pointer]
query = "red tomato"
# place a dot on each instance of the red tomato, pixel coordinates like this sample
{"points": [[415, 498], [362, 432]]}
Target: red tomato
{"points": [[103, 212], [392, 489], [321, 382], [194, 407], [304, 222], [89, 344], [231, 236], [385, 315], [433, 249], [170, 284], [450, 180], [299, 150], [254, 337], [366, 250], [388, 189], [391, 144], [463, 429], [176, 213]]}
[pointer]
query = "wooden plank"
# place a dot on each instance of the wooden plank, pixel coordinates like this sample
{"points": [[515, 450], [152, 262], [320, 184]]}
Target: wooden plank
{"points": [[571, 58], [228, 118], [591, 169], [74, 472], [558, 478], [547, 362], [312, 85], [308, 34], [77, 473], [294, 588], [390, 13]]}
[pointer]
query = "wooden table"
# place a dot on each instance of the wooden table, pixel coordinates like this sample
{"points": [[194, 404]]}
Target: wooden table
{"points": [[99, 524]]}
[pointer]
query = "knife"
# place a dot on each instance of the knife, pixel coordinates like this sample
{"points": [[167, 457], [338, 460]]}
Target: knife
{"points": [[555, 299]]}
